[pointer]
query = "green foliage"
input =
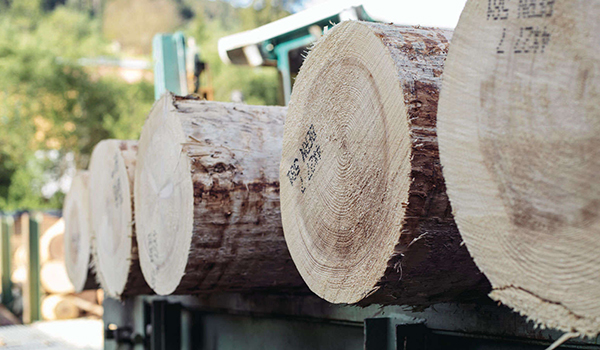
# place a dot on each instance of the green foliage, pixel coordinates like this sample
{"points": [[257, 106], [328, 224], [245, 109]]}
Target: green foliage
{"points": [[48, 102], [217, 19], [53, 111]]}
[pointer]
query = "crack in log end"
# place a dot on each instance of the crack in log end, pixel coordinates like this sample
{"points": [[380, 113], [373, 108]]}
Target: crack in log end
{"points": [[539, 309]]}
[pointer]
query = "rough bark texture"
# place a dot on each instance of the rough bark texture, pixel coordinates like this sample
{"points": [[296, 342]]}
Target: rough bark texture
{"points": [[90, 282], [237, 242], [430, 257]]}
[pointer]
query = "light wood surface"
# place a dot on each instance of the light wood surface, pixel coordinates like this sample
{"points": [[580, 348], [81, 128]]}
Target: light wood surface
{"points": [[77, 237], [114, 249], [519, 133]]}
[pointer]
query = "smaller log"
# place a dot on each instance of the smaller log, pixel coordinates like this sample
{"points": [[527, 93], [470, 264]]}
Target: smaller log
{"points": [[19, 276], [59, 307], [54, 278], [115, 252], [20, 257], [52, 242], [77, 234]]}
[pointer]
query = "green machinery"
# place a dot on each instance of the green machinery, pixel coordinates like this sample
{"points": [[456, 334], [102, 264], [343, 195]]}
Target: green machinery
{"points": [[281, 43]]}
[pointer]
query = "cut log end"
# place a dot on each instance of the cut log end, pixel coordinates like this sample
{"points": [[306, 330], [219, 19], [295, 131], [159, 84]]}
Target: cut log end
{"points": [[360, 178], [115, 252], [519, 135], [54, 278], [333, 173], [165, 204], [59, 307], [77, 232]]}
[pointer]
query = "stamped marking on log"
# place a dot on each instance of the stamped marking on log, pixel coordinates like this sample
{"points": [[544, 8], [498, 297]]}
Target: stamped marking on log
{"points": [[311, 153], [75, 236], [529, 38], [153, 253], [116, 187]]}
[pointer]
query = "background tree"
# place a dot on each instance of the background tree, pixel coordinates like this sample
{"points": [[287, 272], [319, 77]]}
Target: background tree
{"points": [[53, 111]]}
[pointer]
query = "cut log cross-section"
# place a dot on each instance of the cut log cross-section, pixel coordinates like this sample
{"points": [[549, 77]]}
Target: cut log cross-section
{"points": [[52, 246], [59, 307], [519, 134], [55, 279], [363, 201], [77, 236], [207, 198], [114, 247]]}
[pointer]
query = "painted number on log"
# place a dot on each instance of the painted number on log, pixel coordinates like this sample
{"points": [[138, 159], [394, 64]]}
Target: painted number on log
{"points": [[310, 154], [117, 190], [153, 252], [528, 39]]}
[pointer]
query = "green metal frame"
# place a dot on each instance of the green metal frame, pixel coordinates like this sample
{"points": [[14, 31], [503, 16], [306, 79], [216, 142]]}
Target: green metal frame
{"points": [[282, 52], [169, 55], [7, 232], [33, 280]]}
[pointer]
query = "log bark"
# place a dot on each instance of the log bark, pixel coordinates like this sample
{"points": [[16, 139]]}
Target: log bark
{"points": [[114, 248], [207, 199], [519, 135], [77, 239], [364, 206]]}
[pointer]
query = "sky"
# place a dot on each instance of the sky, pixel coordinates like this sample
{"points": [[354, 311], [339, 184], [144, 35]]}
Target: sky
{"points": [[432, 13]]}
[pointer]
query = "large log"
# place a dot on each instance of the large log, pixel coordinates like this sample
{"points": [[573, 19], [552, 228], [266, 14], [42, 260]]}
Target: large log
{"points": [[77, 239], [114, 247], [207, 198], [519, 136], [363, 201]]}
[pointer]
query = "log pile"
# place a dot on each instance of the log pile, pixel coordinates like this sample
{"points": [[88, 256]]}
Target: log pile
{"points": [[519, 135], [355, 199]]}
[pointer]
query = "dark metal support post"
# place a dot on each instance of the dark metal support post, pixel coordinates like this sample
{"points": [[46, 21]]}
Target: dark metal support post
{"points": [[34, 267], [7, 231]]}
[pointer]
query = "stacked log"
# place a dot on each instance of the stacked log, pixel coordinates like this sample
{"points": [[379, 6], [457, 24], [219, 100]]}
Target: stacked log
{"points": [[363, 201], [207, 199], [59, 307], [114, 247], [519, 135]]}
